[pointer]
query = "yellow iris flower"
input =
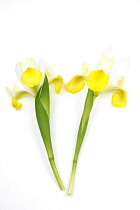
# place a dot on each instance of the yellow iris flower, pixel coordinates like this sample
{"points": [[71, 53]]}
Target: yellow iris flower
{"points": [[31, 77], [99, 81]]}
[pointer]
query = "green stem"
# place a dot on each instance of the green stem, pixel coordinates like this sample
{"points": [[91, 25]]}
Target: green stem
{"points": [[55, 171], [74, 165], [81, 133]]}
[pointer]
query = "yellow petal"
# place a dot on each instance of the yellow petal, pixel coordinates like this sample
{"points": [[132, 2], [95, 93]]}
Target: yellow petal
{"points": [[76, 84], [16, 104], [119, 98], [97, 80], [31, 77], [58, 83], [85, 70]]}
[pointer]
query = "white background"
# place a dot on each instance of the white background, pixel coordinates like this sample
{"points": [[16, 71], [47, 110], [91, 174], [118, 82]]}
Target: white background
{"points": [[68, 33]]}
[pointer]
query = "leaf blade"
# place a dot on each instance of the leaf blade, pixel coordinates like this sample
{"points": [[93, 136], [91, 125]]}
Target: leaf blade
{"points": [[42, 107], [44, 95]]}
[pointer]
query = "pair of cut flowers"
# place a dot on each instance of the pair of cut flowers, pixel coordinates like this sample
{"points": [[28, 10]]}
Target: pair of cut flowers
{"points": [[98, 81], [36, 84], [34, 78]]}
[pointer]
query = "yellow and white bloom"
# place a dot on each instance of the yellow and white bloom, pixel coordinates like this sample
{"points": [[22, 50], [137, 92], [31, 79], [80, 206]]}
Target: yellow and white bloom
{"points": [[31, 76], [100, 81]]}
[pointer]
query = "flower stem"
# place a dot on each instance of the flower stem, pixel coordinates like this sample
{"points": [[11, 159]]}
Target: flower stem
{"points": [[81, 133], [74, 165], [55, 171]]}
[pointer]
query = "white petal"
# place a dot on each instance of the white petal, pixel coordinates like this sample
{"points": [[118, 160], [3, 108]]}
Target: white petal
{"points": [[31, 63], [49, 73], [18, 70], [15, 88], [105, 64], [120, 82], [85, 70], [23, 66], [10, 92]]}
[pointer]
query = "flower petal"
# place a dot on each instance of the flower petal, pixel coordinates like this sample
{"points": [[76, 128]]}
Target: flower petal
{"points": [[16, 88], [10, 92], [31, 77], [105, 64], [16, 104], [85, 70], [58, 83], [21, 94], [49, 73], [17, 94], [23, 66], [76, 84], [97, 80], [120, 82], [119, 98], [31, 63]]}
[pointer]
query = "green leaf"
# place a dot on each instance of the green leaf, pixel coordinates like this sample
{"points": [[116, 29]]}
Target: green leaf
{"points": [[42, 106], [44, 95]]}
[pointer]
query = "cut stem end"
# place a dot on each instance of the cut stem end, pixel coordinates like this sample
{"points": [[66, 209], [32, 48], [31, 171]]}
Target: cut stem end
{"points": [[72, 177], [57, 176]]}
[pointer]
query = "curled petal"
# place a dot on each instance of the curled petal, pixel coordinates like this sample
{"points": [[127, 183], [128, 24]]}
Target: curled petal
{"points": [[58, 83], [16, 104], [119, 98], [85, 70], [105, 64], [31, 77], [17, 94], [76, 84], [97, 80]]}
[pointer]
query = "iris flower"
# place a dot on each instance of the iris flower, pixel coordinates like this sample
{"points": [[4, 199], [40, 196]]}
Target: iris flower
{"points": [[31, 76], [98, 81], [36, 85]]}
